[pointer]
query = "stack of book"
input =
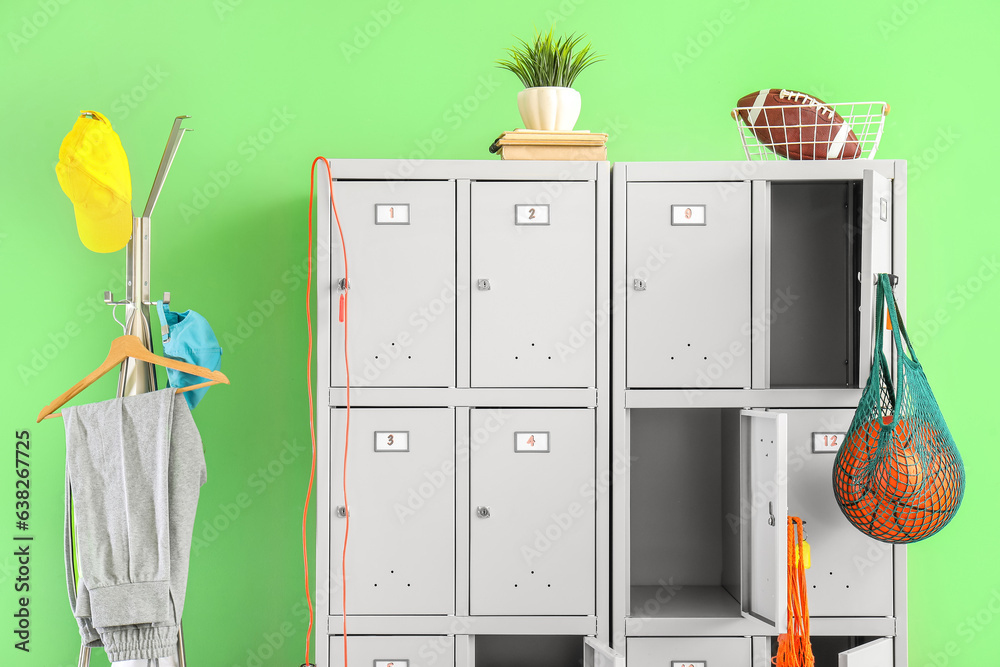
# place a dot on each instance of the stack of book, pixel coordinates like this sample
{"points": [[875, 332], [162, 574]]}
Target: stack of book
{"points": [[551, 145]]}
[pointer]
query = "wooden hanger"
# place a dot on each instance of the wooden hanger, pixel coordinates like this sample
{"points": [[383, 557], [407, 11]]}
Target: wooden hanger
{"points": [[122, 348]]}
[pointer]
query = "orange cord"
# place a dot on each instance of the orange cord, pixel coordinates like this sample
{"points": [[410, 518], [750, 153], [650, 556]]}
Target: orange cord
{"points": [[312, 418], [794, 647]]}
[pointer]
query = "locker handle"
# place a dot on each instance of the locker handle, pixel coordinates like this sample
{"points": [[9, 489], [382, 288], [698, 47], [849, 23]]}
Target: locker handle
{"points": [[483, 512]]}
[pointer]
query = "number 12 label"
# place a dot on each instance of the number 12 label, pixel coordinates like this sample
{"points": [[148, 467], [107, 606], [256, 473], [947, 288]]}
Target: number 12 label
{"points": [[827, 442]]}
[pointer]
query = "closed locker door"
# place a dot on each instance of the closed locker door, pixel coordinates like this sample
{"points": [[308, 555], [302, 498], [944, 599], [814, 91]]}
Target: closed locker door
{"points": [[689, 652], [688, 266], [533, 284], [401, 489], [400, 238], [532, 512], [393, 651], [851, 574]]}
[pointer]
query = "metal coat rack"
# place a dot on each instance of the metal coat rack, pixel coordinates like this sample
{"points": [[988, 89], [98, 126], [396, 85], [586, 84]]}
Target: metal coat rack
{"points": [[135, 376]]}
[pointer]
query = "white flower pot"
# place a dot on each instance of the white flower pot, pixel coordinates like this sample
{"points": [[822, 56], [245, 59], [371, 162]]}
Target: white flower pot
{"points": [[549, 107]]}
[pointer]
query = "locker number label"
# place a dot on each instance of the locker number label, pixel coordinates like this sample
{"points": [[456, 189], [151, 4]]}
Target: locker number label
{"points": [[683, 215], [531, 214], [688, 663], [392, 663], [827, 442], [392, 441], [533, 441], [392, 214]]}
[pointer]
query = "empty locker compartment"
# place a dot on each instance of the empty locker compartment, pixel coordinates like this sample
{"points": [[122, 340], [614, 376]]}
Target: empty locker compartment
{"points": [[689, 652], [533, 284], [404, 331], [823, 236], [688, 267], [528, 651], [851, 574], [707, 511], [532, 518], [401, 496], [393, 651], [848, 651]]}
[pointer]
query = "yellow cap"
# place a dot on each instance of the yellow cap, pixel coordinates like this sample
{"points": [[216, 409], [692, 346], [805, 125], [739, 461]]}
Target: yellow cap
{"points": [[93, 172]]}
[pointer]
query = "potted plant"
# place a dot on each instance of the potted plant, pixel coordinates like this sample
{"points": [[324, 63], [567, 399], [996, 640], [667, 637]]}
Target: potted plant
{"points": [[548, 67]]}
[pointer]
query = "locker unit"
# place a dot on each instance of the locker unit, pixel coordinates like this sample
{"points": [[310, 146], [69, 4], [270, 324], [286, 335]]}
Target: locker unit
{"points": [[767, 271], [404, 333], [532, 550], [402, 511], [532, 250], [690, 652], [478, 464], [398, 651]]}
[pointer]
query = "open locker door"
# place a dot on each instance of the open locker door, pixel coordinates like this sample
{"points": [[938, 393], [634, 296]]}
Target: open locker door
{"points": [[876, 258], [598, 654], [764, 506], [876, 653]]}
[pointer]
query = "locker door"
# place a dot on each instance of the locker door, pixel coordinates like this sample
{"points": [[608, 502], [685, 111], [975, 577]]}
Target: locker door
{"points": [[393, 651], [532, 514], [765, 497], [689, 652], [851, 574], [876, 257], [401, 330], [688, 266], [533, 282], [877, 653], [401, 489]]}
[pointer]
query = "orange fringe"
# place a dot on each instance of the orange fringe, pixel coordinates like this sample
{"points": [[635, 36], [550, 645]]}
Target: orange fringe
{"points": [[794, 647]]}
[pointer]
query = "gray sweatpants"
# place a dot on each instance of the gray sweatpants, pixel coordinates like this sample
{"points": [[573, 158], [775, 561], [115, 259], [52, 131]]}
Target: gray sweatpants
{"points": [[134, 468]]}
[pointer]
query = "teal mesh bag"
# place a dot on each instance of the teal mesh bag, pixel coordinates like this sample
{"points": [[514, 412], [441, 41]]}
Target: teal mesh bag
{"points": [[898, 476]]}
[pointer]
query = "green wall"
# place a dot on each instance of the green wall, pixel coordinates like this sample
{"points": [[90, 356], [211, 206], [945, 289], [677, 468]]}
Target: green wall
{"points": [[271, 85]]}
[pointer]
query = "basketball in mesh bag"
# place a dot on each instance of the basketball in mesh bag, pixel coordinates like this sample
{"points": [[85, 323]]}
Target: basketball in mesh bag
{"points": [[898, 477]]}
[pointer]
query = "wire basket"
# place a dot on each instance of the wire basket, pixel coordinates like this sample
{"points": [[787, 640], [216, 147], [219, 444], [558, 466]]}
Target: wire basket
{"points": [[789, 138]]}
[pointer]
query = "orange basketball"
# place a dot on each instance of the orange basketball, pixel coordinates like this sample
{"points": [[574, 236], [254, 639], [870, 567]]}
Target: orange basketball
{"points": [[900, 499]]}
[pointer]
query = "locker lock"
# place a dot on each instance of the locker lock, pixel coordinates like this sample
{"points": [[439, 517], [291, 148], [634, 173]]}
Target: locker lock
{"points": [[639, 285], [483, 284], [483, 512], [341, 512]]}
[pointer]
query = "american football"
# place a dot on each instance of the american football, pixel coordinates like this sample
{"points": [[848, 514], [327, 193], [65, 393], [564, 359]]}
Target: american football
{"points": [[798, 126]]}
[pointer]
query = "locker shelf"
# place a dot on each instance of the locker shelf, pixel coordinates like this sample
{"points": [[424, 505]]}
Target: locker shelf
{"points": [[683, 602]]}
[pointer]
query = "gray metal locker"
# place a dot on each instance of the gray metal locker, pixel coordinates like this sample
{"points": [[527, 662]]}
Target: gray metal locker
{"points": [[707, 527], [533, 272], [824, 241], [689, 652], [835, 651], [532, 512], [401, 492], [401, 329], [393, 651], [851, 574], [688, 268]]}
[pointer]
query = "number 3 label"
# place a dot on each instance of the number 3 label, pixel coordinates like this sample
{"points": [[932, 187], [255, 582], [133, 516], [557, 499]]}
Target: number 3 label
{"points": [[392, 441]]}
